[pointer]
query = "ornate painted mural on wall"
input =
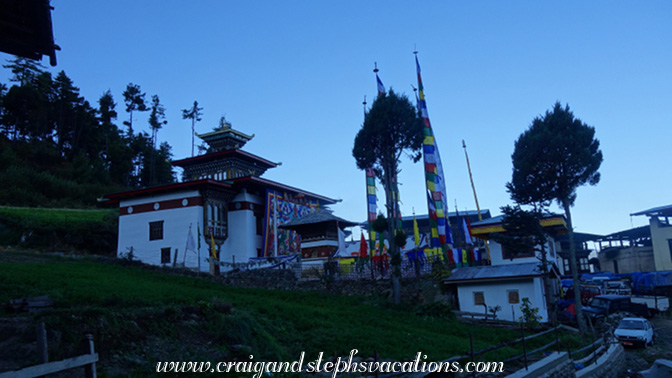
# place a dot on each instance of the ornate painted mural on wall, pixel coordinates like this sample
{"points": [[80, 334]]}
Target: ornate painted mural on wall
{"points": [[288, 209]]}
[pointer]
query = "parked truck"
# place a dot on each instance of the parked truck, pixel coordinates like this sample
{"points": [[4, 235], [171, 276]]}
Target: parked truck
{"points": [[602, 306], [655, 304]]}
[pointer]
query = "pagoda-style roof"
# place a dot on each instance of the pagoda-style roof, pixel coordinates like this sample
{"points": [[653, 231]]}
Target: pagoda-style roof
{"points": [[315, 217], [226, 138]]}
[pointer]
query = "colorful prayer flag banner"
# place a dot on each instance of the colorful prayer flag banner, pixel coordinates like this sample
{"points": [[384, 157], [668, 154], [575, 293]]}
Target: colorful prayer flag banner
{"points": [[381, 87], [434, 177]]}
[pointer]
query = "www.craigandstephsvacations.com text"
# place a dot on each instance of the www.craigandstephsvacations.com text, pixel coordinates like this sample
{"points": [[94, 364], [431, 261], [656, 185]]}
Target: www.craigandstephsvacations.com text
{"points": [[333, 367]]}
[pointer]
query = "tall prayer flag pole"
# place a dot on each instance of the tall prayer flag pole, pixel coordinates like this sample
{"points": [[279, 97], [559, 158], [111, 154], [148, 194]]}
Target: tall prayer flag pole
{"points": [[471, 178], [434, 177], [473, 188]]}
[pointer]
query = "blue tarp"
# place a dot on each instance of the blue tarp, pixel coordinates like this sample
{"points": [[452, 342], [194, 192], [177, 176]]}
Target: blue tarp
{"points": [[647, 282]]}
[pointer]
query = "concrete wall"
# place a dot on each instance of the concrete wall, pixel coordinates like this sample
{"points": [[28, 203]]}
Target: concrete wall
{"points": [[609, 365], [557, 365], [496, 294], [628, 259], [660, 234]]}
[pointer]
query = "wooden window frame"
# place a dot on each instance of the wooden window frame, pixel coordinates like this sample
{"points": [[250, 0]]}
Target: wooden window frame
{"points": [[478, 294], [156, 230], [508, 296], [165, 255]]}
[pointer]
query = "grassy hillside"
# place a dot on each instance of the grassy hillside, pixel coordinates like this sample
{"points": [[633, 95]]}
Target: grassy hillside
{"points": [[140, 316], [64, 230]]}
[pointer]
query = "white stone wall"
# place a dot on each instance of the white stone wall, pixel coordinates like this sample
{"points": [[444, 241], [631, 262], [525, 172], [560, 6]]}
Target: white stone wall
{"points": [[243, 241], [134, 231]]}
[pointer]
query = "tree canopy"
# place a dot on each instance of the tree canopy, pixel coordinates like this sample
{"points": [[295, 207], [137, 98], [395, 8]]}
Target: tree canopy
{"points": [[555, 156], [391, 128], [194, 114], [57, 149]]}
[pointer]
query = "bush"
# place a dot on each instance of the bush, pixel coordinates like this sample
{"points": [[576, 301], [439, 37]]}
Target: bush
{"points": [[531, 317]]}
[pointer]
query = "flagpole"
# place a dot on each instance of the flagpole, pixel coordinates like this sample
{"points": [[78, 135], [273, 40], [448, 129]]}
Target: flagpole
{"points": [[184, 260], [275, 223], [199, 247], [471, 178]]}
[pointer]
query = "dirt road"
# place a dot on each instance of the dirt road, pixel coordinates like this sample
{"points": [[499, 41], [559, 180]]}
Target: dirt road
{"points": [[638, 359]]}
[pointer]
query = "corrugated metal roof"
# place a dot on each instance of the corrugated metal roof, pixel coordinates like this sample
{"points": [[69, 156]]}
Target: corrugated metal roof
{"points": [[493, 272], [660, 210]]}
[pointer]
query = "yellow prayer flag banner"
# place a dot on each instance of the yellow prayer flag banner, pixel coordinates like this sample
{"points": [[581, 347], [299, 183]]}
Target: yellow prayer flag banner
{"points": [[416, 232], [429, 140], [212, 247]]}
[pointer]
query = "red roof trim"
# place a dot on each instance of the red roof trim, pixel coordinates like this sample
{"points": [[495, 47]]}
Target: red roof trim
{"points": [[211, 156], [259, 180], [179, 185]]}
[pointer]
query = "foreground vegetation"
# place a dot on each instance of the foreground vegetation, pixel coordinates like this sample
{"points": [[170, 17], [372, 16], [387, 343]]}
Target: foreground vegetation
{"points": [[139, 316]]}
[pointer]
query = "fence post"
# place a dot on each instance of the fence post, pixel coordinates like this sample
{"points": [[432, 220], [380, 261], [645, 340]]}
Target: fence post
{"points": [[90, 370], [522, 332], [375, 361], [471, 343], [557, 340], [42, 348]]}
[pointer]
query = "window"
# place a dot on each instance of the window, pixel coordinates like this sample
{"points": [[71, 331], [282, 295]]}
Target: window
{"points": [[513, 296], [156, 231], [165, 255], [669, 246], [215, 219], [479, 298], [583, 264], [565, 263]]}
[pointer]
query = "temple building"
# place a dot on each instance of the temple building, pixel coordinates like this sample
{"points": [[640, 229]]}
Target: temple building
{"points": [[221, 201]]}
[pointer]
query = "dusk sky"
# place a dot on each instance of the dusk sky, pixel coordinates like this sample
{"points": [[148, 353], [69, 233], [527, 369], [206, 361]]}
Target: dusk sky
{"points": [[295, 73]]}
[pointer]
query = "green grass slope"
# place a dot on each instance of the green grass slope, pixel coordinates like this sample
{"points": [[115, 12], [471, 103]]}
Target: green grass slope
{"points": [[140, 316]]}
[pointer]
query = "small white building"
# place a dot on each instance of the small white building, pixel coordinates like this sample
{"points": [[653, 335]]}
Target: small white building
{"points": [[480, 288], [222, 201], [512, 275]]}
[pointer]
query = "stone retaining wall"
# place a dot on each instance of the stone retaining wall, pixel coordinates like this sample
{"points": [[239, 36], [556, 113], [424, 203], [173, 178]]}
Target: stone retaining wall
{"points": [[414, 290], [557, 365], [609, 365]]}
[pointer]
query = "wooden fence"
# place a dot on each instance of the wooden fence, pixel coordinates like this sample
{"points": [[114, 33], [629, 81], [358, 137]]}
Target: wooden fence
{"points": [[88, 361]]}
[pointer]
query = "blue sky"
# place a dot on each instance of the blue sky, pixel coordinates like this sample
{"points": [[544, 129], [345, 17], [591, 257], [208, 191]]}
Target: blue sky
{"points": [[294, 73]]}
